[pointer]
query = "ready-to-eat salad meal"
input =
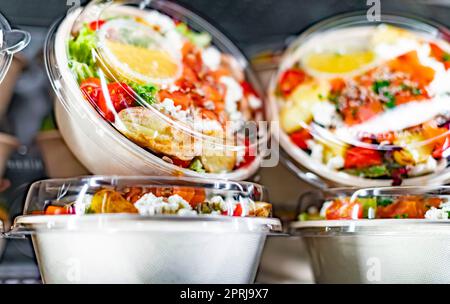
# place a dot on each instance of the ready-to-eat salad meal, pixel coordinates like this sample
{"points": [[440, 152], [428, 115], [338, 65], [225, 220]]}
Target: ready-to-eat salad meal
{"points": [[370, 101], [399, 207], [167, 88], [146, 230], [148, 201], [400, 231]]}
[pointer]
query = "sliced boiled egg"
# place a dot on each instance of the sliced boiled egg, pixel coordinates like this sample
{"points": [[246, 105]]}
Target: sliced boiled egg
{"points": [[136, 52], [339, 63]]}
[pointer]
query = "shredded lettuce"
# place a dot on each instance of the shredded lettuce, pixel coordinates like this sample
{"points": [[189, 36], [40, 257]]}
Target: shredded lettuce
{"points": [[202, 39], [147, 92], [197, 166], [82, 70], [81, 60], [371, 172]]}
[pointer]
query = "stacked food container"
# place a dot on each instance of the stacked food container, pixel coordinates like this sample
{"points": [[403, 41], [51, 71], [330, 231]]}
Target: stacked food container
{"points": [[150, 89], [365, 104]]}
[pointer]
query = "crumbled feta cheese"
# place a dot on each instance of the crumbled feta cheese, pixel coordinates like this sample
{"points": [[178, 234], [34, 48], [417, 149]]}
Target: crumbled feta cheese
{"points": [[254, 102], [218, 200], [336, 162], [211, 58], [436, 214], [149, 204], [174, 39], [236, 121], [316, 150], [176, 199], [423, 168], [209, 105], [233, 95], [168, 106], [163, 22], [324, 113]]}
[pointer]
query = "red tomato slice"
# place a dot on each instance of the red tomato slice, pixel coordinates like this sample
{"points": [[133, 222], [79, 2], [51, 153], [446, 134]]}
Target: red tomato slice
{"points": [[357, 157], [248, 89], [97, 24], [300, 137], [238, 210], [91, 89], [249, 156], [181, 163], [121, 97], [290, 80]]}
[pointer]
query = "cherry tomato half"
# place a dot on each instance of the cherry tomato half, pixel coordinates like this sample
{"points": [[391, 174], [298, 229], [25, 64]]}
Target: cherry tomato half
{"points": [[290, 80], [97, 24], [357, 157], [299, 138]]}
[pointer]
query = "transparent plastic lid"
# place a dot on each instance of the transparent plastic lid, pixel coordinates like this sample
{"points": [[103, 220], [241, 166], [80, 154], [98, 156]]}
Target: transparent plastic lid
{"points": [[428, 203], [367, 103], [11, 42], [166, 80], [104, 200]]}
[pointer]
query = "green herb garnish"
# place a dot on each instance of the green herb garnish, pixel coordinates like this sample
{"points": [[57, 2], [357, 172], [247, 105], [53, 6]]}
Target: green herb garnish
{"points": [[391, 100], [147, 92], [379, 84], [383, 201]]}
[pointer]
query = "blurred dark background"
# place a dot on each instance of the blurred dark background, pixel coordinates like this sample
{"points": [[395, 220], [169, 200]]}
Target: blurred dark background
{"points": [[252, 24]]}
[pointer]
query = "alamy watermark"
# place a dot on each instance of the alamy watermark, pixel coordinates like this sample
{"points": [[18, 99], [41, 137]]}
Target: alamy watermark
{"points": [[374, 11]]}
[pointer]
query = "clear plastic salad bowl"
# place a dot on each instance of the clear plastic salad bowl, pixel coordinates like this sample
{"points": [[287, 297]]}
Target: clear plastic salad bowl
{"points": [[378, 235], [366, 103], [11, 42], [149, 88], [146, 230]]}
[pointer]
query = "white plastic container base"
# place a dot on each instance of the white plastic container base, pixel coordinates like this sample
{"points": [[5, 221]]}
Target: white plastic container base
{"points": [[129, 249], [101, 229], [378, 251]]}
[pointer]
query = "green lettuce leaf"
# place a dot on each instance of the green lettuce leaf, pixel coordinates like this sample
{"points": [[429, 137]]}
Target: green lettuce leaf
{"points": [[81, 59], [147, 92], [202, 39]]}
